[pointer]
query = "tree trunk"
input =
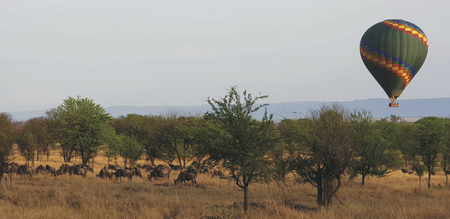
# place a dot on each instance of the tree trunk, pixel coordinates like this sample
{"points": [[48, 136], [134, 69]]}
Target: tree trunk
{"points": [[429, 179], [363, 176], [420, 182], [152, 160], [245, 198], [320, 189]]}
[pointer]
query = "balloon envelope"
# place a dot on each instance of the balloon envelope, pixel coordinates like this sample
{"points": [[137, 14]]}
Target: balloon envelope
{"points": [[394, 51]]}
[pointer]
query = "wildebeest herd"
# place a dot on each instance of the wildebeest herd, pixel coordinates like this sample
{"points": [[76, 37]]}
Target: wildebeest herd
{"points": [[111, 171]]}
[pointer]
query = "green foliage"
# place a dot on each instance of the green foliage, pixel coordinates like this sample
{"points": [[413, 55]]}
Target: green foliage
{"points": [[430, 137], [26, 142], [130, 149], [80, 126], [406, 141], [242, 142], [330, 141], [7, 138]]}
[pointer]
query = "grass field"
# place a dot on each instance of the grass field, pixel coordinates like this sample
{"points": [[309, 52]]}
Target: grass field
{"points": [[395, 196]]}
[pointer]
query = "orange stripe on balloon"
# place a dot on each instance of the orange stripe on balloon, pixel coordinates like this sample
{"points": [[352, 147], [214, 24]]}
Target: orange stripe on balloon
{"points": [[380, 61], [409, 30]]}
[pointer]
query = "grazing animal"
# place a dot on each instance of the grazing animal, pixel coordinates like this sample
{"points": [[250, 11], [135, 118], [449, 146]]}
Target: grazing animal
{"points": [[50, 170], [137, 172], [77, 171], [129, 173], [404, 171], [105, 172], [63, 169], [185, 176], [87, 167], [411, 172], [26, 170], [160, 172], [41, 169]]}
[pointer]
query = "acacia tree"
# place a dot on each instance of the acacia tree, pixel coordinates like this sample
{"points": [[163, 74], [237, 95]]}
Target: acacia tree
{"points": [[430, 136], [7, 137], [141, 128], [81, 126], [370, 152], [329, 141], [242, 142], [130, 149], [26, 141], [446, 150]]}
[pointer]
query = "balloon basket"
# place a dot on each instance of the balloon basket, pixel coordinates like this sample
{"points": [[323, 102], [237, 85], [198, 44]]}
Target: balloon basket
{"points": [[393, 104]]}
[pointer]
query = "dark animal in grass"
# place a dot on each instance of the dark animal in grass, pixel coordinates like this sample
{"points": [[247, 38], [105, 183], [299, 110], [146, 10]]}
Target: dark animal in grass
{"points": [[63, 169], [185, 176], [50, 170], [77, 170], [124, 173], [404, 171], [160, 171], [105, 172], [86, 167], [41, 169], [137, 172], [26, 170]]}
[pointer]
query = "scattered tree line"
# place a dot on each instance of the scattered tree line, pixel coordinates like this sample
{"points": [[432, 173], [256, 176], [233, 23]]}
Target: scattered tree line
{"points": [[318, 149]]}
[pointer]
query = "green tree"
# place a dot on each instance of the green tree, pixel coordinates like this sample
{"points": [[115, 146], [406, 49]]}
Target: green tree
{"points": [[446, 150], [26, 142], [142, 128], [81, 126], [8, 132], [420, 170], [406, 141], [130, 149], [329, 141], [430, 136], [242, 142], [370, 152]]}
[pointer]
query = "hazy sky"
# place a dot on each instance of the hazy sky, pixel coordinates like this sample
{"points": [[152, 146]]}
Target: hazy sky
{"points": [[179, 52]]}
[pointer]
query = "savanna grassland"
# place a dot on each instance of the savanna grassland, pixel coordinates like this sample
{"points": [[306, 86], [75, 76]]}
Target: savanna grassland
{"points": [[44, 196]]}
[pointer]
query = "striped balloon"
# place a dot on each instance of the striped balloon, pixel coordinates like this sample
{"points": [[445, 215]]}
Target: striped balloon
{"points": [[394, 51]]}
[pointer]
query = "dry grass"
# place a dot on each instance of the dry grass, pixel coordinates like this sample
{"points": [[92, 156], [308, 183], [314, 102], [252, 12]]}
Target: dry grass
{"points": [[395, 196]]}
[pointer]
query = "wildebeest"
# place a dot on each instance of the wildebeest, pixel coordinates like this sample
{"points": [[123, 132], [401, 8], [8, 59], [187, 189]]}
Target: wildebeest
{"points": [[41, 169], [129, 173], [404, 171], [50, 170], [77, 170], [161, 171], [185, 176], [26, 170], [106, 172], [137, 172], [63, 169], [86, 167]]}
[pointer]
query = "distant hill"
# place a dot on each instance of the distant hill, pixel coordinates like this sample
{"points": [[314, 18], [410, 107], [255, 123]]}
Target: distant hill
{"points": [[409, 109]]}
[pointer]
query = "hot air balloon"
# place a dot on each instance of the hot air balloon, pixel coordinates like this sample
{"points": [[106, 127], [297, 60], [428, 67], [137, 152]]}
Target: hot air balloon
{"points": [[394, 51]]}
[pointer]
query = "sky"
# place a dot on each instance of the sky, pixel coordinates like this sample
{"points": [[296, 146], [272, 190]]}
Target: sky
{"points": [[179, 52]]}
